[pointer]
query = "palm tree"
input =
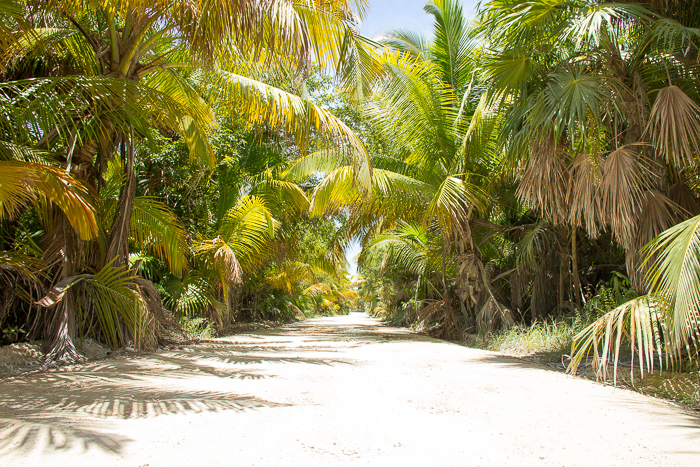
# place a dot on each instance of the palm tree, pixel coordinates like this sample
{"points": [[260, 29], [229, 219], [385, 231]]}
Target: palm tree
{"points": [[435, 174], [600, 113], [601, 109], [90, 80]]}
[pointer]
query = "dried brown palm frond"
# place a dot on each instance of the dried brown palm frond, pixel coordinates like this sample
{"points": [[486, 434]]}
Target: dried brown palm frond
{"points": [[545, 180], [658, 214], [166, 328], [20, 282], [625, 175], [681, 194], [586, 210], [674, 125], [493, 315]]}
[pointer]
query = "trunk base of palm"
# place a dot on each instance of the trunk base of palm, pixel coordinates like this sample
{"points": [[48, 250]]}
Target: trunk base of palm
{"points": [[61, 347], [60, 329]]}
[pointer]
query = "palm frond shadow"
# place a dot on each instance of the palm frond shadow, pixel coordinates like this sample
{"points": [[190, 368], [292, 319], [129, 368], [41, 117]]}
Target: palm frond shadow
{"points": [[27, 431], [515, 362], [56, 433], [351, 334], [65, 405], [691, 423]]}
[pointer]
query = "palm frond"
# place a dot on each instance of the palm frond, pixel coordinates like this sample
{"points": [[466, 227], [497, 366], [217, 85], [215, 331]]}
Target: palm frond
{"points": [[675, 281], [22, 182], [637, 322], [156, 228], [674, 125]]}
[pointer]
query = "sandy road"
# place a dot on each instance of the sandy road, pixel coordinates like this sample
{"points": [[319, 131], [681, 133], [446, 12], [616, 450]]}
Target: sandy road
{"points": [[342, 390]]}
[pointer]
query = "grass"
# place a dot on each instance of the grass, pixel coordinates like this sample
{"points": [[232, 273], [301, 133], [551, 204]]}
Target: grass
{"points": [[548, 340], [198, 327]]}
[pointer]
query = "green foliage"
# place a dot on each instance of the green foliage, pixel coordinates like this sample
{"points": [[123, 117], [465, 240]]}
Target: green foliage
{"points": [[609, 296], [550, 339], [198, 327], [140, 158], [11, 333]]}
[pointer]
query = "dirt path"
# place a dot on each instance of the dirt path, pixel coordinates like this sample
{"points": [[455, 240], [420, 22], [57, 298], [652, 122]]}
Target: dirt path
{"points": [[342, 390]]}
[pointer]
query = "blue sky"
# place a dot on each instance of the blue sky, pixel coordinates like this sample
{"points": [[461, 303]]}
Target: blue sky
{"points": [[397, 14], [402, 14]]}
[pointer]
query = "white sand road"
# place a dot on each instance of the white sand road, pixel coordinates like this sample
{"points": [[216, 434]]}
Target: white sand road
{"points": [[333, 391]]}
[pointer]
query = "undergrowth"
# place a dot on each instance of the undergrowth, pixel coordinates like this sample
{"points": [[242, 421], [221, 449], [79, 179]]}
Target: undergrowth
{"points": [[550, 339], [198, 327]]}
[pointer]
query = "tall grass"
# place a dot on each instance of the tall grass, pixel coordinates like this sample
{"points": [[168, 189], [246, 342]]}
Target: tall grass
{"points": [[550, 338]]}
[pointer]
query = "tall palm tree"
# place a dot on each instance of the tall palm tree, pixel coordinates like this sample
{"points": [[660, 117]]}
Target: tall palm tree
{"points": [[600, 112], [89, 80], [435, 174]]}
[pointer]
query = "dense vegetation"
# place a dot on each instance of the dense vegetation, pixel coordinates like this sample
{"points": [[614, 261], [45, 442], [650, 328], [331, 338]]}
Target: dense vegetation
{"points": [[190, 162], [142, 149]]}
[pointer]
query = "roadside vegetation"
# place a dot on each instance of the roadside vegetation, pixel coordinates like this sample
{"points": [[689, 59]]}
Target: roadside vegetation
{"points": [[142, 151], [525, 181]]}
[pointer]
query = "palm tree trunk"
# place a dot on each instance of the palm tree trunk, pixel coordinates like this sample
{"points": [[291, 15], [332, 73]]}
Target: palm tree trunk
{"points": [[118, 242], [574, 267], [61, 326]]}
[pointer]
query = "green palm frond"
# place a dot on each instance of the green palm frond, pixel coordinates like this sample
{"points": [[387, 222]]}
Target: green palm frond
{"points": [[65, 45], [80, 105], [407, 247], [188, 296], [452, 46], [201, 116], [313, 164], [409, 42], [453, 203], [112, 295], [675, 281], [23, 182], [572, 96], [591, 25], [262, 104], [242, 244], [247, 228], [155, 228], [660, 326], [534, 243], [289, 275], [390, 192], [285, 199], [637, 322], [416, 109]]}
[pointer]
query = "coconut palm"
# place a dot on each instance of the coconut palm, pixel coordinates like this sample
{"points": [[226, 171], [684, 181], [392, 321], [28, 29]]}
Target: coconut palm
{"points": [[90, 80], [435, 173]]}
